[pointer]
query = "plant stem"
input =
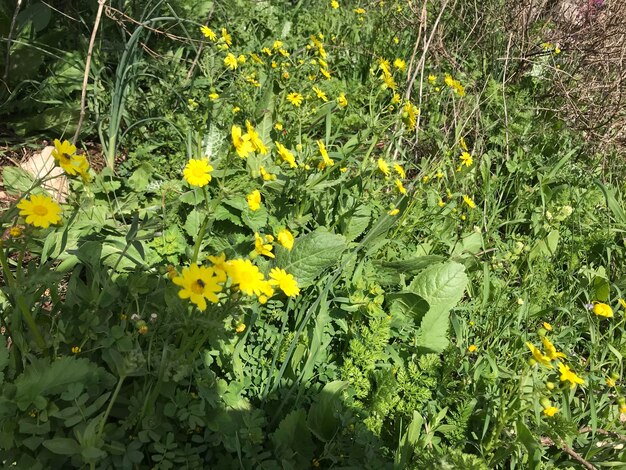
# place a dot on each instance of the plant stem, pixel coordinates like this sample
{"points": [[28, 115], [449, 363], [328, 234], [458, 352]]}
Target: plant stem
{"points": [[19, 298], [110, 406]]}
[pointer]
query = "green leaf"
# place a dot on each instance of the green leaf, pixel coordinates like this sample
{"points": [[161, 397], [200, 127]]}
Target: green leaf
{"points": [[292, 439], [141, 177], [356, 224], [16, 180], [389, 272], [62, 446], [43, 378], [193, 223], [407, 304], [322, 420], [256, 220], [442, 286], [311, 254]]}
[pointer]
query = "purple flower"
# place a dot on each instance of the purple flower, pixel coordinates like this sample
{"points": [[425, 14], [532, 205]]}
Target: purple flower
{"points": [[589, 306]]}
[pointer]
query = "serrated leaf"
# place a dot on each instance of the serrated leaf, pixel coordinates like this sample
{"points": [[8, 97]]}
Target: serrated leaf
{"points": [[322, 419], [442, 286], [292, 439], [356, 224], [193, 222], [311, 254], [256, 220]]}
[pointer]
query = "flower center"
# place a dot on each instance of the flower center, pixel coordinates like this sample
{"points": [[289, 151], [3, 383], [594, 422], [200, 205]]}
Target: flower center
{"points": [[40, 210], [198, 172], [65, 158], [198, 286]]}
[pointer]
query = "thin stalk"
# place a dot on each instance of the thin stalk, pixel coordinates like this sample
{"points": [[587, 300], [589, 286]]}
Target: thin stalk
{"points": [[21, 303]]}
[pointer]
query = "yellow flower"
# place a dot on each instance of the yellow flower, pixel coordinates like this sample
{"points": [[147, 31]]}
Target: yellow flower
{"points": [[320, 94], [455, 85], [230, 61], [236, 109], [326, 160], [266, 50], [342, 101], [76, 349], [466, 159], [439, 174], [409, 115], [208, 33], [359, 11], [551, 351], [538, 355], [199, 284], [64, 154], [261, 247], [399, 64], [15, 232], [285, 282], [622, 408], [400, 186], [295, 99], [219, 265], [240, 328], [610, 382], [398, 169], [255, 140], [40, 211], [278, 126], [226, 38], [242, 144], [246, 276], [197, 172], [547, 326], [254, 200], [266, 175], [389, 81], [440, 203], [395, 99], [334, 4], [286, 155], [568, 376], [285, 238], [393, 212], [550, 411], [469, 202], [383, 166], [326, 74], [463, 144], [213, 96], [472, 348], [602, 310], [432, 79], [241, 59]]}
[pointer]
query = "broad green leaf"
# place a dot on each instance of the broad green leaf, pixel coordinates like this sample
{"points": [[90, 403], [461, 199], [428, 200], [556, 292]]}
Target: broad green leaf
{"points": [[193, 223], [43, 378], [407, 304], [322, 420], [442, 286], [62, 446], [389, 272], [16, 180], [355, 224], [311, 254], [292, 439]]}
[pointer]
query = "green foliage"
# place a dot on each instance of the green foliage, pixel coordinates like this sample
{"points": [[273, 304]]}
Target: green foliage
{"points": [[430, 246]]}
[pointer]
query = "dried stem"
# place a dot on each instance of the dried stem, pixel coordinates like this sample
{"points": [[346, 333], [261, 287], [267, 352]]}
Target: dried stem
{"points": [[83, 95]]}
